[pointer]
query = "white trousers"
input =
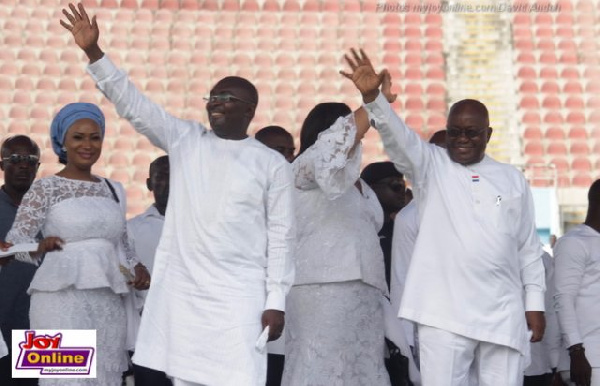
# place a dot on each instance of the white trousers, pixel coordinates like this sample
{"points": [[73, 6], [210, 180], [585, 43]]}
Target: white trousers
{"points": [[449, 359], [566, 376]]}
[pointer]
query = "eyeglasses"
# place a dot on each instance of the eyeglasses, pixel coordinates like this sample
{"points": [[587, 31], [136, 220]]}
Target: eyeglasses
{"points": [[224, 98], [469, 133], [18, 158]]}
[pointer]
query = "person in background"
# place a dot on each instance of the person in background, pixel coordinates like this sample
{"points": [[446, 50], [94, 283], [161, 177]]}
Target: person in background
{"points": [[545, 354], [388, 184], [577, 298], [403, 243], [278, 139], [144, 232], [20, 160]]}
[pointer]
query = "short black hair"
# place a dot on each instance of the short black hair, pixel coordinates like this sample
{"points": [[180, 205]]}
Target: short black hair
{"points": [[319, 119], [164, 159], [242, 83], [8, 142], [594, 194], [271, 131]]}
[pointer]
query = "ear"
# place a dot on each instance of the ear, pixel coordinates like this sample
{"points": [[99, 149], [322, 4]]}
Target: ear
{"points": [[149, 184], [489, 134], [250, 112]]}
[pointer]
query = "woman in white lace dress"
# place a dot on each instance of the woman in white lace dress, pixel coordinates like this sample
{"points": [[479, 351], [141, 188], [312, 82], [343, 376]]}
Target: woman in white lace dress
{"points": [[334, 330], [79, 284]]}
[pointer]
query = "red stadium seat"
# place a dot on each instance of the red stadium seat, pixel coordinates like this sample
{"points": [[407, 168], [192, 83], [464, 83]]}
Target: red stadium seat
{"points": [[529, 102], [529, 87], [574, 103], [582, 180], [534, 149], [556, 148], [533, 133]]}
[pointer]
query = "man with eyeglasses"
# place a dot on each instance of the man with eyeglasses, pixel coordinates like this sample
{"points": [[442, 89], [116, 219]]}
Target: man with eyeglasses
{"points": [[475, 285], [223, 265], [20, 162]]}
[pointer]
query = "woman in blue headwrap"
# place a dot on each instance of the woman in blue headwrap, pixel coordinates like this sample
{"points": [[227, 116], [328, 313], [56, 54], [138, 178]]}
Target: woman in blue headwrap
{"points": [[81, 218]]}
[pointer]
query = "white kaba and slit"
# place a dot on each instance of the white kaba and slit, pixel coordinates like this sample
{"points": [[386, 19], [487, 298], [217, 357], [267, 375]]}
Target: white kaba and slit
{"points": [[476, 266], [225, 251], [335, 330], [80, 286]]}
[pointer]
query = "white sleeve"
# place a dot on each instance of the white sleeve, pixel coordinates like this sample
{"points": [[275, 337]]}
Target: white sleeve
{"points": [[530, 254], [552, 340], [570, 259], [147, 117], [30, 218], [406, 149], [332, 163], [281, 234]]}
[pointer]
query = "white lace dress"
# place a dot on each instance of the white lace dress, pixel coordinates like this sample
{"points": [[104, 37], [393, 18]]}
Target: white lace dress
{"points": [[334, 320], [80, 286]]}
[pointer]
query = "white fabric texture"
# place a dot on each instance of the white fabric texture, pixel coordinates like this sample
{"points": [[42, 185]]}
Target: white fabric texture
{"points": [[394, 331], [225, 252], [334, 304], [477, 246], [449, 359], [335, 336], [3, 347], [89, 220], [577, 299], [545, 354], [94, 309], [144, 232], [337, 225], [406, 229]]}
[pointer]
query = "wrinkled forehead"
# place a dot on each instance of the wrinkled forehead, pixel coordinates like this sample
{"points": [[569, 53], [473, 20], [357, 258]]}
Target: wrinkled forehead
{"points": [[466, 116]]}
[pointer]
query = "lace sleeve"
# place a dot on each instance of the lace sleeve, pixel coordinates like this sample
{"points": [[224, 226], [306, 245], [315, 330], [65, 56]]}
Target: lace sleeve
{"points": [[332, 163], [30, 218], [130, 256]]}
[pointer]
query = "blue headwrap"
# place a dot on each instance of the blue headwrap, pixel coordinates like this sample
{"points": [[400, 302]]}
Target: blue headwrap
{"points": [[65, 119]]}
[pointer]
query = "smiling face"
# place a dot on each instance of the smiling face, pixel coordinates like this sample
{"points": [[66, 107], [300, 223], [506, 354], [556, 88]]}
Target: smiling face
{"points": [[467, 132], [83, 143], [229, 119]]}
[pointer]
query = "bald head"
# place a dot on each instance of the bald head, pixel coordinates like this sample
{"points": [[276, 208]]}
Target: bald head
{"points": [[472, 106]]}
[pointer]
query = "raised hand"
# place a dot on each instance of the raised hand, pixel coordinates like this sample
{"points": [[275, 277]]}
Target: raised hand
{"points": [[386, 87], [84, 31], [363, 75]]}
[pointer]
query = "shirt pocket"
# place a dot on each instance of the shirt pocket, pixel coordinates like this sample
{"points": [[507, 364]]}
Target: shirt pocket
{"points": [[506, 215]]}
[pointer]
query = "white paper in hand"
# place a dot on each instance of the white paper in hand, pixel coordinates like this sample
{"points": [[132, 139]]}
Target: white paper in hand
{"points": [[261, 343], [26, 247]]}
